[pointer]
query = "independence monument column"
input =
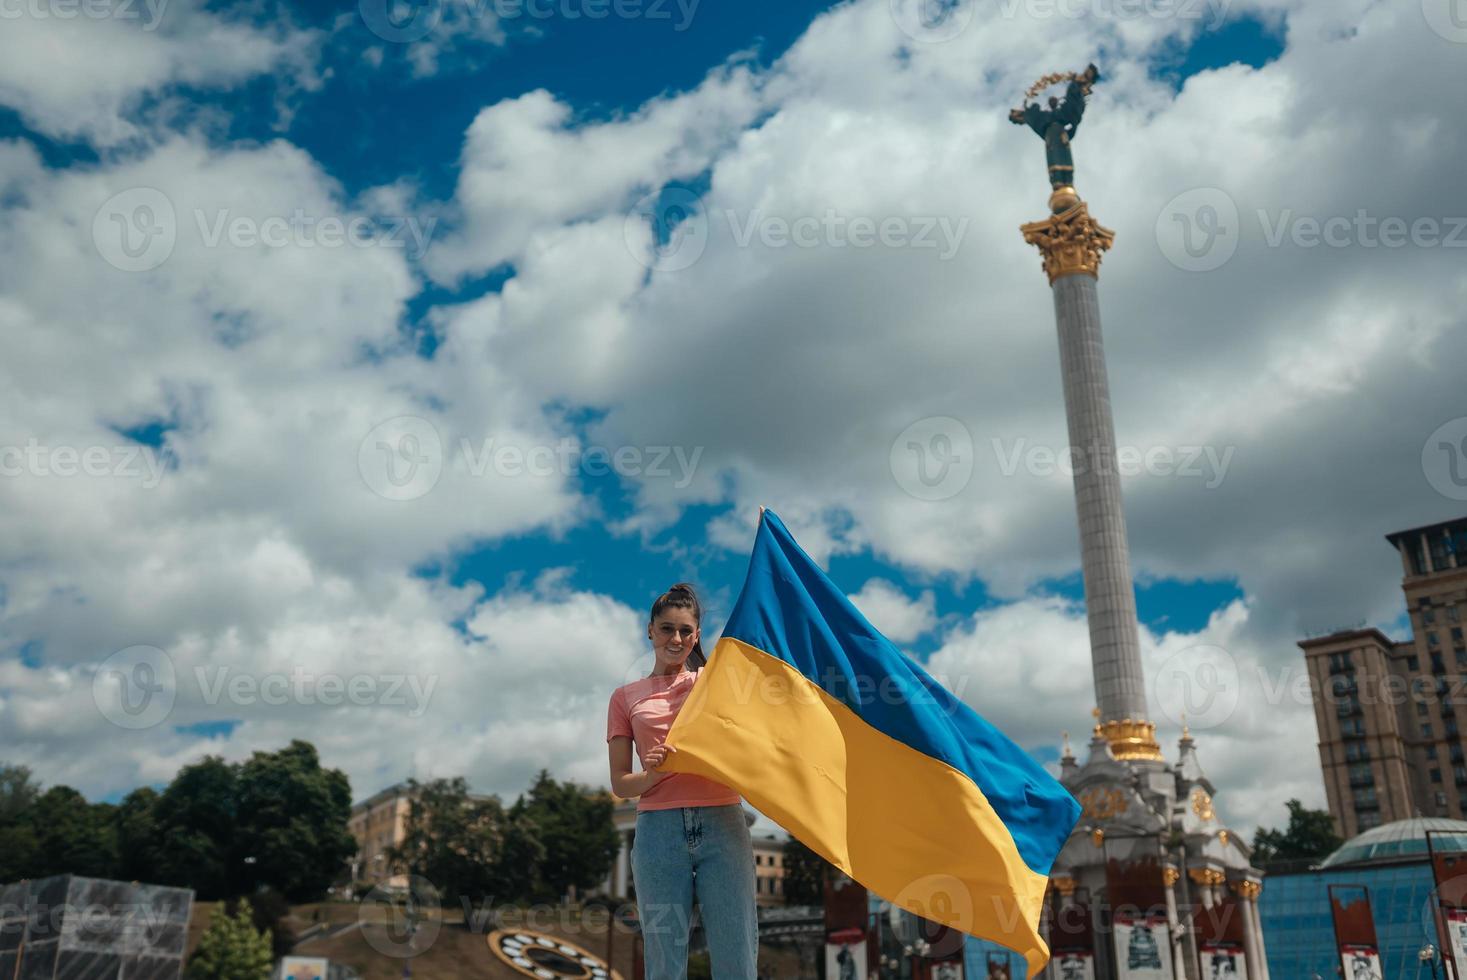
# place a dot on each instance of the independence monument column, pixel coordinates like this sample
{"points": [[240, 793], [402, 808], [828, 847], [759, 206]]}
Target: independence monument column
{"points": [[1070, 243]]}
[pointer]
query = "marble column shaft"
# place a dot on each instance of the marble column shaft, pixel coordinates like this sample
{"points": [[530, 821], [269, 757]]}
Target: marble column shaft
{"points": [[1110, 603]]}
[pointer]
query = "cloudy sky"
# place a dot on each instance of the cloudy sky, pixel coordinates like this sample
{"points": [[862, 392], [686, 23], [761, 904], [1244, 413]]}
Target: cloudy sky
{"points": [[369, 369]]}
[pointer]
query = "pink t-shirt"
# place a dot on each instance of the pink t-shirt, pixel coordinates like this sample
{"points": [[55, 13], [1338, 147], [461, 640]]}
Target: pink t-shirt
{"points": [[644, 710]]}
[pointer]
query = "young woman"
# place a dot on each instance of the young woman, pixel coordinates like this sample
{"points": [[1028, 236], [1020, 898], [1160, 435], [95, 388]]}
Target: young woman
{"points": [[691, 837]]}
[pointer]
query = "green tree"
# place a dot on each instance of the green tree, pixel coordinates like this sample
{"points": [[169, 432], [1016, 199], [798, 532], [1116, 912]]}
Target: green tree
{"points": [[18, 793], [576, 827], [518, 869], [1310, 834], [195, 815], [452, 839], [291, 818], [232, 948], [75, 837], [138, 841], [20, 853], [804, 872], [270, 912]]}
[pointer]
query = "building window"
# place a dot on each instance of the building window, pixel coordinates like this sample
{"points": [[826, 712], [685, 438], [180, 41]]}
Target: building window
{"points": [[1428, 616], [1412, 663], [1436, 775], [1453, 615], [1461, 773], [1431, 638], [1426, 729], [1456, 632], [1421, 709], [1431, 752], [1441, 799], [1357, 752], [1462, 658], [1369, 819]]}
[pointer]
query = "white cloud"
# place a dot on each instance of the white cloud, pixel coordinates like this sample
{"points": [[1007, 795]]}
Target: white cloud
{"points": [[527, 168], [87, 76], [899, 617], [1025, 667], [790, 370]]}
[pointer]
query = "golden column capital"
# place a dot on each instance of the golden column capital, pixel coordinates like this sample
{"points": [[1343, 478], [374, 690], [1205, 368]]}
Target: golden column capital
{"points": [[1130, 738], [1206, 876], [1248, 889], [1069, 242]]}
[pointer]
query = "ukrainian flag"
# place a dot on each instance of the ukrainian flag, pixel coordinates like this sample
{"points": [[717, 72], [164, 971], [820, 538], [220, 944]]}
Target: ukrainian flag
{"points": [[829, 730]]}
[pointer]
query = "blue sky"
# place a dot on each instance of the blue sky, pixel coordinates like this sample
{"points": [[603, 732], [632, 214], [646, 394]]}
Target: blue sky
{"points": [[258, 374], [607, 68]]}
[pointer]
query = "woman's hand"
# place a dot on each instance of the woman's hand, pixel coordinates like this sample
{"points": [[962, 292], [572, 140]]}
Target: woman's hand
{"points": [[656, 756]]}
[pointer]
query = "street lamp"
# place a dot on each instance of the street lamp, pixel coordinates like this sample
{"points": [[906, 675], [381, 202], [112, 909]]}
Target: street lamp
{"points": [[1428, 955], [411, 915]]}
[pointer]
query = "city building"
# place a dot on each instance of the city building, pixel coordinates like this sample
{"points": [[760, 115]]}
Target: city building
{"points": [[618, 884], [1390, 742], [378, 824], [1391, 862], [769, 870]]}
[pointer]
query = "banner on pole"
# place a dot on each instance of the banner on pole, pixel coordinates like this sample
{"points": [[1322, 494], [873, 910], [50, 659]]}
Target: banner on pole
{"points": [[1223, 962], [1360, 963], [1077, 964], [1142, 949]]}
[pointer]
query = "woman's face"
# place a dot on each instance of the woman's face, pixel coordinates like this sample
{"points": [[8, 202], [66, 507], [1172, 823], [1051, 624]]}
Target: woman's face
{"points": [[673, 634]]}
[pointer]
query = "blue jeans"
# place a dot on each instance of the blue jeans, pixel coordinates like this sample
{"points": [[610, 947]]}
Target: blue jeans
{"points": [[704, 851]]}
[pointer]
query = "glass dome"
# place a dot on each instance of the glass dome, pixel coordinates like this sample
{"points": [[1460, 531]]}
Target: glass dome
{"points": [[1400, 840]]}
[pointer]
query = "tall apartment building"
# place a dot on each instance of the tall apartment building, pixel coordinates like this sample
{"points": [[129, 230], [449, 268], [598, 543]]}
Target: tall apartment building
{"points": [[1390, 741]]}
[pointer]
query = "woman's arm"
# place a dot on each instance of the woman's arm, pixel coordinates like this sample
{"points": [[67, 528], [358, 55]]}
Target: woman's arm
{"points": [[623, 782]]}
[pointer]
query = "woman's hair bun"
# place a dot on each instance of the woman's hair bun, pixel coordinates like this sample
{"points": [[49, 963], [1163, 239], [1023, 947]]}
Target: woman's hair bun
{"points": [[681, 587]]}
